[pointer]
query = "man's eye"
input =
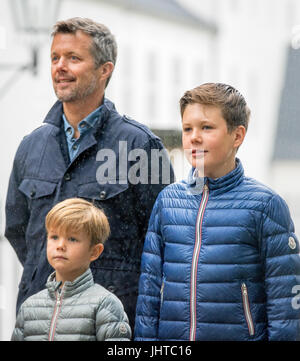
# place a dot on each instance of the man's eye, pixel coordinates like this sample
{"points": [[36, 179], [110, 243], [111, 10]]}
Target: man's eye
{"points": [[73, 57]]}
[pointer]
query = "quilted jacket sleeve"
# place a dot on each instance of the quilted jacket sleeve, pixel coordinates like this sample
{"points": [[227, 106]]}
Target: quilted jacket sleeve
{"points": [[112, 321], [148, 304], [280, 248], [18, 332]]}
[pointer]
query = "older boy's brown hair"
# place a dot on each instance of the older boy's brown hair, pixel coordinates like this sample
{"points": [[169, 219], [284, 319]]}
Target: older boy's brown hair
{"points": [[233, 106], [77, 215]]}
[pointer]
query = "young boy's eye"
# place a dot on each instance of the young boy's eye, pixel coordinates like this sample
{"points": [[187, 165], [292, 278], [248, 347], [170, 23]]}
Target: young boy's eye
{"points": [[205, 127], [53, 236], [72, 239], [187, 129]]}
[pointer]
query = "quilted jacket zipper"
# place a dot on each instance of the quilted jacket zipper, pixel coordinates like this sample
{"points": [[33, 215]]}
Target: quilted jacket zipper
{"points": [[247, 309], [195, 262], [56, 312]]}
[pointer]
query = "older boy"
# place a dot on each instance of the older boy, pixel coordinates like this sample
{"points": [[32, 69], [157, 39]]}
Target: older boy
{"points": [[73, 307], [222, 263]]}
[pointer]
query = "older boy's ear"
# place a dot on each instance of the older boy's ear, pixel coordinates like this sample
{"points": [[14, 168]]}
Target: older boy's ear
{"points": [[97, 250], [240, 133]]}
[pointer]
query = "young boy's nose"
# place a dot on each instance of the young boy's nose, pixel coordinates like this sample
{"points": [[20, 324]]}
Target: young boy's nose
{"points": [[61, 243]]}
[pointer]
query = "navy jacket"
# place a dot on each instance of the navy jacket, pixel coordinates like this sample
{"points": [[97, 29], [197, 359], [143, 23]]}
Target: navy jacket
{"points": [[219, 265], [43, 175]]}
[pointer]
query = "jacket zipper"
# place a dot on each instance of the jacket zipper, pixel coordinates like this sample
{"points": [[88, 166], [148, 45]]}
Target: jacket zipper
{"points": [[195, 262], [247, 309], [56, 311]]}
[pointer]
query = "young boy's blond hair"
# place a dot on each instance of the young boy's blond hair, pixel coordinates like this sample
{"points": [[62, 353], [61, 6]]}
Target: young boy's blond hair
{"points": [[76, 215]]}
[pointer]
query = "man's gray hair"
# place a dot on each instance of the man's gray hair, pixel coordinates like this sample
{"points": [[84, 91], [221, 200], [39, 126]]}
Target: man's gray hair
{"points": [[104, 46]]}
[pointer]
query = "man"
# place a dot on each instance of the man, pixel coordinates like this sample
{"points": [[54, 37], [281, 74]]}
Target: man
{"points": [[85, 149]]}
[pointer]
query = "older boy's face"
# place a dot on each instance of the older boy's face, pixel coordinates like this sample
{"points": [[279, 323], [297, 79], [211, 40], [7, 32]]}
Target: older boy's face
{"points": [[207, 144], [70, 255]]}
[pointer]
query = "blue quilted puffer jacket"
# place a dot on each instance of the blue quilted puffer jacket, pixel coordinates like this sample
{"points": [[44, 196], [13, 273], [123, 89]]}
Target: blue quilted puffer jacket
{"points": [[219, 264]]}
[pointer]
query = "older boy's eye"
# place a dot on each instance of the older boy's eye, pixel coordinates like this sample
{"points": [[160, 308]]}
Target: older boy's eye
{"points": [[187, 129], [53, 236], [206, 127]]}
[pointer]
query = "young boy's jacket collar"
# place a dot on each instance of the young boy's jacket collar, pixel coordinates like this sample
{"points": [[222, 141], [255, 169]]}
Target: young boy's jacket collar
{"points": [[80, 284]]}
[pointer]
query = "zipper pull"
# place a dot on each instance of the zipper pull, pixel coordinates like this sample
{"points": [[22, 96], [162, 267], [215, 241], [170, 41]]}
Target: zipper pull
{"points": [[244, 288]]}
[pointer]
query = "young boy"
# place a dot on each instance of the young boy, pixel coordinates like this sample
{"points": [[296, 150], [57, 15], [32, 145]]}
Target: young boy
{"points": [[73, 307], [222, 263]]}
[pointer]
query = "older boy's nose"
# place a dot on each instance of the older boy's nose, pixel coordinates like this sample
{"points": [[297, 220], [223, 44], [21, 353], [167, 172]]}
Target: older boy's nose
{"points": [[196, 137]]}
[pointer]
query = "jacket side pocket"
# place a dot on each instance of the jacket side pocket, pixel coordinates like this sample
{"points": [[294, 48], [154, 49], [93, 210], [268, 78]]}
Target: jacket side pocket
{"points": [[247, 311], [162, 291]]}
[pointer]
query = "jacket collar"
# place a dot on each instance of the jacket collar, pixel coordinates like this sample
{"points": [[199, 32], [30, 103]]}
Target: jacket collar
{"points": [[219, 185], [54, 115], [69, 289]]}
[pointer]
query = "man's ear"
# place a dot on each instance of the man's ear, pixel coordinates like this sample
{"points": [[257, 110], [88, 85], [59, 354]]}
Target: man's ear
{"points": [[106, 69], [96, 251], [239, 135]]}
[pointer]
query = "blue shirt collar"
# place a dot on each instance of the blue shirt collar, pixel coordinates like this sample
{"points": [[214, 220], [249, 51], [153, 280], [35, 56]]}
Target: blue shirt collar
{"points": [[88, 122]]}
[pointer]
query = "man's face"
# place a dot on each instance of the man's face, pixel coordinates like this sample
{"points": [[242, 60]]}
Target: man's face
{"points": [[206, 141], [72, 67]]}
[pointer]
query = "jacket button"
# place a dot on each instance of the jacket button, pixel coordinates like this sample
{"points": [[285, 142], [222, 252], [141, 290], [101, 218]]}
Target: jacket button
{"points": [[32, 193], [102, 195], [111, 289], [67, 177]]}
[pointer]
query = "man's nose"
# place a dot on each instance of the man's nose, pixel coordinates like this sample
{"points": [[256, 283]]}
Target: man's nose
{"points": [[61, 64]]}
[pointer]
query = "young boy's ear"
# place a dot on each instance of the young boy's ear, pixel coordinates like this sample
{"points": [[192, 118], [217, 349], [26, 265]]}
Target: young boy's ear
{"points": [[96, 251], [239, 133]]}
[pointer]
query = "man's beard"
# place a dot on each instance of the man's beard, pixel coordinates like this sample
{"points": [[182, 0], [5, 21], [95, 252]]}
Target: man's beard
{"points": [[77, 93]]}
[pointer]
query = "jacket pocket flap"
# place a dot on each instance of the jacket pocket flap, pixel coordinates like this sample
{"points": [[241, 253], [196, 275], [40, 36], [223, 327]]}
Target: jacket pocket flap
{"points": [[35, 188], [100, 192]]}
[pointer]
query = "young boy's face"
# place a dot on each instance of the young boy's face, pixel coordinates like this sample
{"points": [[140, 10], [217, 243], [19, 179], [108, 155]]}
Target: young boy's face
{"points": [[70, 254], [207, 144]]}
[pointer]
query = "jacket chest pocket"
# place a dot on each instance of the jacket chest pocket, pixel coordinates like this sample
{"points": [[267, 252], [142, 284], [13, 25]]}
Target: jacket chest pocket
{"points": [[101, 192], [37, 191]]}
